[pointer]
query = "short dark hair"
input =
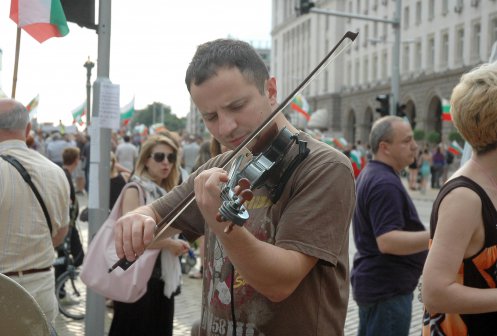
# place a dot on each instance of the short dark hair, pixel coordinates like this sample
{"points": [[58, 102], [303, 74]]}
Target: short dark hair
{"points": [[70, 155], [227, 53], [126, 138]]}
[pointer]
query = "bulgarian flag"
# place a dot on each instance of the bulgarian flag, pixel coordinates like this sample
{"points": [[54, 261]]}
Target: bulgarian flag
{"points": [[78, 113], [42, 19], [127, 112], [446, 110], [340, 143], [357, 161], [455, 149], [300, 105], [32, 106]]}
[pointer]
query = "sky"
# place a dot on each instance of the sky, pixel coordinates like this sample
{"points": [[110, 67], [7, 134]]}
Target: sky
{"points": [[152, 43]]}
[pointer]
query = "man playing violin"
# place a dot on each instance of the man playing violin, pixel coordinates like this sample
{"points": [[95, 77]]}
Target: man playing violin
{"points": [[285, 272]]}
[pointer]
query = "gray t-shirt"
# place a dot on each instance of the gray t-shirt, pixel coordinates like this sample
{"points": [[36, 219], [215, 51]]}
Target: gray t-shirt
{"points": [[313, 217]]}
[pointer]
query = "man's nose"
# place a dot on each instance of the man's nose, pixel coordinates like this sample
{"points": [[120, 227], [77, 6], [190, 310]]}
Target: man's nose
{"points": [[227, 124]]}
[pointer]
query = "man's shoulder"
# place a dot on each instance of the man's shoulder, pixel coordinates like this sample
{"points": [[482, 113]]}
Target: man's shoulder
{"points": [[323, 153]]}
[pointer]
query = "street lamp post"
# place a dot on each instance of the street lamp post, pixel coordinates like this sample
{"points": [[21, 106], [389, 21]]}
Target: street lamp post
{"points": [[88, 65]]}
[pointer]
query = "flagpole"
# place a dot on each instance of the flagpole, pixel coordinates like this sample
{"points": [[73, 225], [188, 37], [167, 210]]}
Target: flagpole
{"points": [[16, 63]]}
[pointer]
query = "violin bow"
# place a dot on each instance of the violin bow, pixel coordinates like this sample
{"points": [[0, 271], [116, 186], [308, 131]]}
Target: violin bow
{"points": [[166, 221]]}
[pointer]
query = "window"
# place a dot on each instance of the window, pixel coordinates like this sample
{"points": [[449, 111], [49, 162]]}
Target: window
{"points": [[492, 33], [445, 7], [444, 55], [365, 70], [374, 76], [366, 35], [357, 68], [431, 10], [405, 59], [430, 53], [475, 41], [406, 17], [459, 52], [348, 78], [358, 7], [417, 55], [350, 11], [418, 13], [384, 65], [375, 30]]}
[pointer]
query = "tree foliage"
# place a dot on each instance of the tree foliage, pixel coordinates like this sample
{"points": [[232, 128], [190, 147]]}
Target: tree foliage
{"points": [[155, 113], [419, 134], [455, 135], [433, 137]]}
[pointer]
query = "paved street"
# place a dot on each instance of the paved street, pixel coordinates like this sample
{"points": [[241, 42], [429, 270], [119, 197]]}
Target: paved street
{"points": [[188, 302]]}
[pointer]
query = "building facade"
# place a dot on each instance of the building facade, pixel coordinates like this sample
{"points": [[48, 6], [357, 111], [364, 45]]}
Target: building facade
{"points": [[441, 40]]}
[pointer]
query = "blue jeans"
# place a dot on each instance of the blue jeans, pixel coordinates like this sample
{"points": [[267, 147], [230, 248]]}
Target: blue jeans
{"points": [[389, 317]]}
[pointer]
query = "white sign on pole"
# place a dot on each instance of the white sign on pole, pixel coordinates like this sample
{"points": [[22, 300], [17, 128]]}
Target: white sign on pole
{"points": [[109, 110]]}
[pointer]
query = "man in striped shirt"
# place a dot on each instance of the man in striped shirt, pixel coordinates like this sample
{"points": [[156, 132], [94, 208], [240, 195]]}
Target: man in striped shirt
{"points": [[26, 244]]}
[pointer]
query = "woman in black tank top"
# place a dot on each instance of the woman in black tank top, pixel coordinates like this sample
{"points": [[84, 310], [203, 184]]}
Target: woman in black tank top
{"points": [[460, 274]]}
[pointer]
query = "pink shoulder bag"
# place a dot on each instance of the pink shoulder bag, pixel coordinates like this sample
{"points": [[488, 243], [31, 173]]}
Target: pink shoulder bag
{"points": [[119, 285]]}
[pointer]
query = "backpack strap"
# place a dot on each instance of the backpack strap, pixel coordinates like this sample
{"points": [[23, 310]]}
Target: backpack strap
{"points": [[25, 175]]}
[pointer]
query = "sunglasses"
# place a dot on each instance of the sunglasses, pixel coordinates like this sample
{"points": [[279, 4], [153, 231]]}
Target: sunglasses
{"points": [[159, 157]]}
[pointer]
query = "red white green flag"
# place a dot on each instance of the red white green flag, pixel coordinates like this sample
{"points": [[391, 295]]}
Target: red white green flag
{"points": [[340, 143], [78, 113], [300, 105], [32, 106], [42, 19], [127, 112], [446, 110], [455, 149]]}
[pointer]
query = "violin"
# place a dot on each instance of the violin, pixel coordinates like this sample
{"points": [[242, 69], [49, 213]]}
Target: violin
{"points": [[268, 169], [256, 170]]}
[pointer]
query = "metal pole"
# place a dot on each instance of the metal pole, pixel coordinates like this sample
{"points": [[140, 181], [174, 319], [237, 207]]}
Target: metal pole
{"points": [[395, 96], [100, 146], [88, 65], [395, 79]]}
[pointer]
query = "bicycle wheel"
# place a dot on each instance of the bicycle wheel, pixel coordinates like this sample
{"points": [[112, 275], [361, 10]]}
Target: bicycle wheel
{"points": [[71, 295]]}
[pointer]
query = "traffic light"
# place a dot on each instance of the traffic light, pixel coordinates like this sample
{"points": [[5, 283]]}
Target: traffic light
{"points": [[401, 110], [305, 7], [384, 108], [81, 12]]}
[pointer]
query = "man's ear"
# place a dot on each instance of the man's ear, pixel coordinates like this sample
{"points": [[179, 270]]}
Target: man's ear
{"points": [[28, 129], [383, 147], [272, 90]]}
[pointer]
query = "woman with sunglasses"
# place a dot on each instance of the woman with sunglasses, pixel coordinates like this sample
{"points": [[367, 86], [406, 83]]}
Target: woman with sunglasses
{"points": [[157, 172]]}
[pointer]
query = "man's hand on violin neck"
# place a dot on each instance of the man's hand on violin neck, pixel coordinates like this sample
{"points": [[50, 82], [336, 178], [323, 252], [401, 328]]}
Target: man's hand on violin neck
{"points": [[133, 232], [207, 186]]}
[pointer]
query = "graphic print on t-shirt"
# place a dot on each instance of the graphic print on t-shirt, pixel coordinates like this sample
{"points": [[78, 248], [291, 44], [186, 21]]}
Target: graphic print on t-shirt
{"points": [[220, 276]]}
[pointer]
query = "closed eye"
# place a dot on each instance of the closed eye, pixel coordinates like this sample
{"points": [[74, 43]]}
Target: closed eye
{"points": [[209, 116]]}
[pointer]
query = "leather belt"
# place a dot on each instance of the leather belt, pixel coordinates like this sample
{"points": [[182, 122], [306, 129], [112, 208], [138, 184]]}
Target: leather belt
{"points": [[29, 271]]}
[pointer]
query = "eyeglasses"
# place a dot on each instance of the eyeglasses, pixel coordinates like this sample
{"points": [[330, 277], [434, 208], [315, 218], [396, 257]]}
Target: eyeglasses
{"points": [[159, 157]]}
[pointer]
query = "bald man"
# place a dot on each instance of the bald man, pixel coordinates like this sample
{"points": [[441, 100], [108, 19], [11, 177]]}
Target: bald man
{"points": [[26, 244]]}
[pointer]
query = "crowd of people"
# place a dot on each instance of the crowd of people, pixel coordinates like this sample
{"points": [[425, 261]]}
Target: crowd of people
{"points": [[285, 271]]}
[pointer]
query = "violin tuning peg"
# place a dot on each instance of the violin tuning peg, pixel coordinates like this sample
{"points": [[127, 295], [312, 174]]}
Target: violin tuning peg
{"points": [[219, 218], [228, 228], [246, 195], [244, 183]]}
